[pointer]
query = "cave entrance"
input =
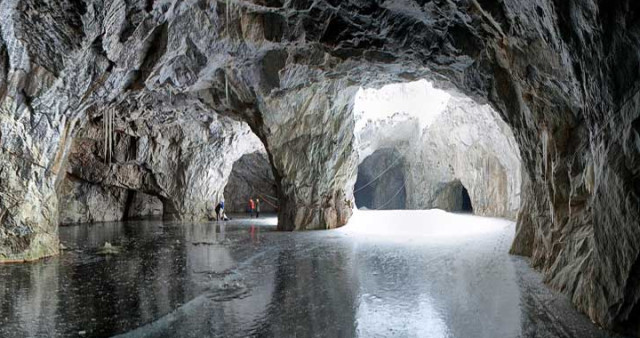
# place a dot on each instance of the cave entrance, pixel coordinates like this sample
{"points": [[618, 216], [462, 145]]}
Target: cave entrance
{"points": [[380, 181], [445, 138], [453, 196], [251, 177], [466, 201]]}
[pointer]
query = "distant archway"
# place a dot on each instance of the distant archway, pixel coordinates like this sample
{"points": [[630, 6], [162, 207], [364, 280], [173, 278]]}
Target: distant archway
{"points": [[454, 197], [466, 201], [380, 182]]}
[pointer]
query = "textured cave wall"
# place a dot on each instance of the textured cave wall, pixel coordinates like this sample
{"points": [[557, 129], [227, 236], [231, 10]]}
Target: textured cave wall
{"points": [[141, 205], [251, 177], [563, 75], [83, 202], [311, 143], [184, 165], [380, 182], [465, 145]]}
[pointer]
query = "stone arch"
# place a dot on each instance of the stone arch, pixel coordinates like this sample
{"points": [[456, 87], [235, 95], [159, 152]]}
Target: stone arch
{"points": [[251, 177], [453, 196], [562, 71]]}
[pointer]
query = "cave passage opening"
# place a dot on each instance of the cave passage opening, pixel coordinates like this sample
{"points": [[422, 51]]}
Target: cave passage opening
{"points": [[466, 201], [380, 181], [251, 178], [420, 147]]}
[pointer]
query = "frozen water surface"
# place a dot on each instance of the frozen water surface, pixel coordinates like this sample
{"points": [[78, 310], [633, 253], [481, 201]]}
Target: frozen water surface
{"points": [[386, 274]]}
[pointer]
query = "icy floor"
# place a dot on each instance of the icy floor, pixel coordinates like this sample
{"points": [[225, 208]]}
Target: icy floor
{"points": [[387, 274]]}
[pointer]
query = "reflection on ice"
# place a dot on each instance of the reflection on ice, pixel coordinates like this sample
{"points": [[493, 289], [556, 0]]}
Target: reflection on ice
{"points": [[413, 224], [379, 317], [381, 276]]}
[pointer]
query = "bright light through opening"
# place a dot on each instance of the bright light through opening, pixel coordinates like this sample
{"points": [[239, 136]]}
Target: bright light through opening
{"points": [[416, 99]]}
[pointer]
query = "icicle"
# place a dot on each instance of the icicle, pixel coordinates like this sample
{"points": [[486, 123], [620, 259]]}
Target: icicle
{"points": [[226, 88], [113, 114], [108, 155], [226, 17], [104, 122]]}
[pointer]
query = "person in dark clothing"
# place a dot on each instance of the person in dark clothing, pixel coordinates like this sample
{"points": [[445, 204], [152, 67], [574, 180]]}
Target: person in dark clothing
{"points": [[257, 207], [220, 211]]}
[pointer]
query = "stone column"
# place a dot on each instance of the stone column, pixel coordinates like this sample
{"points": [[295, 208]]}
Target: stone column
{"points": [[309, 136]]}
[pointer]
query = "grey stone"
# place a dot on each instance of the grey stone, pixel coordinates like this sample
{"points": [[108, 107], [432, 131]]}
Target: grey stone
{"points": [[562, 74]]}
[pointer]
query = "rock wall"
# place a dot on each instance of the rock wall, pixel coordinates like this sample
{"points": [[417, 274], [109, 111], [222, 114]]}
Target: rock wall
{"points": [[141, 205], [251, 177], [450, 196], [562, 74], [184, 164], [83, 202], [466, 145]]}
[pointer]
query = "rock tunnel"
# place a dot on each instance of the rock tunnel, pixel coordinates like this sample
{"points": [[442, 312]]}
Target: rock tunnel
{"points": [[155, 101], [251, 178], [380, 181]]}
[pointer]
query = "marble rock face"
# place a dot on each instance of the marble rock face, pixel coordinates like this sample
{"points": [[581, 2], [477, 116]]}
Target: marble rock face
{"points": [[183, 166], [562, 74], [83, 202]]}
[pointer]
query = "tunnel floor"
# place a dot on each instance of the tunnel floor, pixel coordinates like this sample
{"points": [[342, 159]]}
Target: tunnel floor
{"points": [[386, 274]]}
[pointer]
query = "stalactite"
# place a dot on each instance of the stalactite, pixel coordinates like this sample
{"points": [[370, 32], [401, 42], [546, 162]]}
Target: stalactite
{"points": [[111, 115], [108, 121], [226, 88], [227, 15], [105, 122]]}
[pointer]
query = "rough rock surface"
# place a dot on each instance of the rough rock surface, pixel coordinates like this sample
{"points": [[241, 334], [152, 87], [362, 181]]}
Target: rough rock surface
{"points": [[185, 165], [142, 205], [563, 75], [251, 177], [82, 202], [466, 145]]}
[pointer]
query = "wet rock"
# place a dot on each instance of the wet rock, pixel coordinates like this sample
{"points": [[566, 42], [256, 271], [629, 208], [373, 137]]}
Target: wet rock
{"points": [[562, 75], [143, 205], [82, 202]]}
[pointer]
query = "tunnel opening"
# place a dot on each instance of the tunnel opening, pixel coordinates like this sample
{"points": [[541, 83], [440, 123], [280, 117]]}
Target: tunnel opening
{"points": [[251, 178], [380, 181], [466, 201], [445, 138]]}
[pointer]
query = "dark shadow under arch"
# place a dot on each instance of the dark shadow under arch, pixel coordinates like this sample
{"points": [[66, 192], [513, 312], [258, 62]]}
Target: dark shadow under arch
{"points": [[380, 182]]}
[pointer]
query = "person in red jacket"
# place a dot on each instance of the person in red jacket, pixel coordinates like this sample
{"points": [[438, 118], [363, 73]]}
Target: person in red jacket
{"points": [[252, 207]]}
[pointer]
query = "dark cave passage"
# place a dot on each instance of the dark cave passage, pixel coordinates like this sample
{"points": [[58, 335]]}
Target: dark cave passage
{"points": [[466, 201], [380, 182], [251, 177]]}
